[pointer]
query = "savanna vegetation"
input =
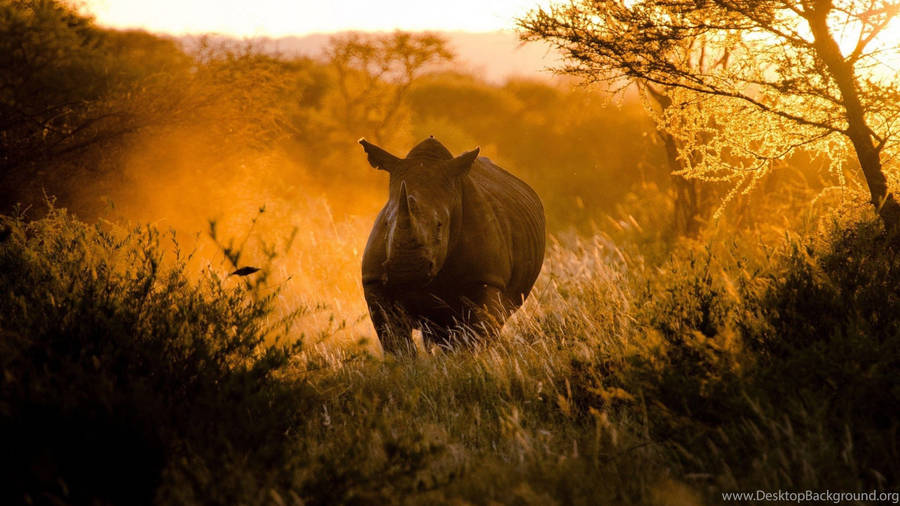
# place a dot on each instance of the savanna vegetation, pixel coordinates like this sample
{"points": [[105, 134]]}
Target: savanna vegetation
{"points": [[687, 336]]}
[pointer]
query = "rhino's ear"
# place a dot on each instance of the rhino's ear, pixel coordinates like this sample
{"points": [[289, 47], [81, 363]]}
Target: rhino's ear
{"points": [[460, 165], [379, 158]]}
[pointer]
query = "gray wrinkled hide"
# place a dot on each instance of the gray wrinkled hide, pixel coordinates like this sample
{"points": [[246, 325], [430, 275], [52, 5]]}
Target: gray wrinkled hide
{"points": [[493, 255]]}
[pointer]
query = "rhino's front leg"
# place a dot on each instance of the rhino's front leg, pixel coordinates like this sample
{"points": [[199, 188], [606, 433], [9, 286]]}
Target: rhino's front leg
{"points": [[435, 334], [486, 310], [391, 322]]}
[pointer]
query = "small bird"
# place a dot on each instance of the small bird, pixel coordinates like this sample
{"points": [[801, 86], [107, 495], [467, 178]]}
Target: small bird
{"points": [[244, 271]]}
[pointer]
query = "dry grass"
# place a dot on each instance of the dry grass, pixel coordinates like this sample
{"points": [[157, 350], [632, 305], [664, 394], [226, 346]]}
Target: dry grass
{"points": [[618, 381]]}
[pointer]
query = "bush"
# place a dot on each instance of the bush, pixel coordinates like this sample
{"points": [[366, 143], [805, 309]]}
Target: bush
{"points": [[117, 368], [779, 376], [827, 335]]}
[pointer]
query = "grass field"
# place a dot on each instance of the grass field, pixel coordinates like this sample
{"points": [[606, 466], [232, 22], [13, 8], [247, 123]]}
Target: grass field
{"points": [[130, 376]]}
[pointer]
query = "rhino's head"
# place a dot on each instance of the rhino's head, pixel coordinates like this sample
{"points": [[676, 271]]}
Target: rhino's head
{"points": [[424, 207]]}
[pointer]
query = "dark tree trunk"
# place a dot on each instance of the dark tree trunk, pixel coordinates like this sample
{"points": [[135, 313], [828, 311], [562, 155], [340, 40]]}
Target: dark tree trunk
{"points": [[685, 219], [857, 130], [686, 206]]}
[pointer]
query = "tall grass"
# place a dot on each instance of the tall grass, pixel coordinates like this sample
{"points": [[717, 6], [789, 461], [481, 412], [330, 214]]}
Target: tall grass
{"points": [[131, 375]]}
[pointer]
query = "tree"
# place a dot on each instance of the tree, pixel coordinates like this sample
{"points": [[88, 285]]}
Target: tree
{"points": [[754, 80], [685, 220], [75, 98], [374, 74], [68, 86], [51, 69]]}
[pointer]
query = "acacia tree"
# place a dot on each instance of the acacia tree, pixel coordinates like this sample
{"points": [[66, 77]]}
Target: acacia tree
{"points": [[681, 154], [374, 74], [686, 219], [791, 74]]}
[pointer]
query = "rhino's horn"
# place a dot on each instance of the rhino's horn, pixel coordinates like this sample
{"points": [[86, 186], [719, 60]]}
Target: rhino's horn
{"points": [[462, 163], [379, 158], [403, 214]]}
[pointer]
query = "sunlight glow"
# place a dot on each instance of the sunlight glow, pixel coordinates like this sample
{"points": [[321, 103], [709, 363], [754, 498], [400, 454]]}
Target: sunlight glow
{"points": [[884, 48], [278, 18], [883, 60]]}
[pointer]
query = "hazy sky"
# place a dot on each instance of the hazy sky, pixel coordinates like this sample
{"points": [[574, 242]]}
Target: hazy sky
{"points": [[276, 18]]}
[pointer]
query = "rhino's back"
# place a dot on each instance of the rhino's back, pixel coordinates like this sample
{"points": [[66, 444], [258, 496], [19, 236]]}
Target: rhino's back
{"points": [[520, 216]]}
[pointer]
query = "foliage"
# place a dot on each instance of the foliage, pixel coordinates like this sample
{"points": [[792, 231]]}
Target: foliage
{"points": [[69, 86], [772, 370], [77, 98], [750, 81], [373, 74], [119, 368], [826, 329], [224, 120]]}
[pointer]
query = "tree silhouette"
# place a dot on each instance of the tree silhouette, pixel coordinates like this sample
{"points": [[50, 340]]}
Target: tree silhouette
{"points": [[53, 73], [68, 87], [787, 75], [73, 96], [374, 74]]}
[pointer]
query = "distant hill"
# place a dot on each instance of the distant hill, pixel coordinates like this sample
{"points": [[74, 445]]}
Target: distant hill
{"points": [[495, 56]]}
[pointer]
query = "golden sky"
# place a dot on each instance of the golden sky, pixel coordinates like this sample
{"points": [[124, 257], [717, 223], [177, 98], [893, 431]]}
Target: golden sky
{"points": [[279, 18]]}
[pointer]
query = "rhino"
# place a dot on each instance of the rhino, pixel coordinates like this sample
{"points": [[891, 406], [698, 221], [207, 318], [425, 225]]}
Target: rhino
{"points": [[455, 250]]}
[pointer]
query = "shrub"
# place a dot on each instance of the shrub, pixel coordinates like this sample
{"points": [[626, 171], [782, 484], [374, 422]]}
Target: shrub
{"points": [[118, 367], [783, 378], [827, 335]]}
